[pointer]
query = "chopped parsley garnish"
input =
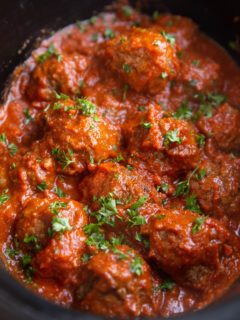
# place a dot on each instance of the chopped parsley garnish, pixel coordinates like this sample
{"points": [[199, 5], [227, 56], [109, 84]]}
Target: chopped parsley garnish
{"points": [[88, 108], [61, 96], [3, 138], [63, 158], [12, 149], [108, 34], [129, 167], [127, 11], [169, 37], [198, 223], [141, 108], [33, 240], [96, 237], [85, 257], [95, 36], [28, 117], [171, 137], [164, 75], [126, 68], [93, 20], [155, 15], [164, 187], [59, 192], [119, 158], [201, 174], [42, 186], [60, 224], [201, 139], [136, 266], [146, 125], [167, 285], [50, 52], [4, 197], [207, 103], [135, 218], [56, 206], [183, 112], [183, 187], [196, 63], [193, 82], [192, 204], [108, 210]]}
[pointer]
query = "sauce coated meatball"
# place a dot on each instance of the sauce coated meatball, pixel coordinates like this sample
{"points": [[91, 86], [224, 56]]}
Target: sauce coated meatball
{"points": [[62, 73], [144, 60], [117, 283], [51, 230], [195, 250]]}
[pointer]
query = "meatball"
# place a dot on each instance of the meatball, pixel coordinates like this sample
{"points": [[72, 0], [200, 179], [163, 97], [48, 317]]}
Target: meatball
{"points": [[218, 190], [223, 127], [160, 135], [121, 201], [36, 167], [184, 29], [61, 75], [115, 179], [145, 60], [200, 73], [78, 137], [195, 250], [51, 230], [116, 283]]}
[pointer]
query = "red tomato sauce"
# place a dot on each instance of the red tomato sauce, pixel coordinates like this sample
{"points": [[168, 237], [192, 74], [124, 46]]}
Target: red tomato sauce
{"points": [[119, 174]]}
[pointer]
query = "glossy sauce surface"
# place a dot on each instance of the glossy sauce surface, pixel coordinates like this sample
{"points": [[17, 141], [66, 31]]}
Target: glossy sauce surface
{"points": [[120, 168]]}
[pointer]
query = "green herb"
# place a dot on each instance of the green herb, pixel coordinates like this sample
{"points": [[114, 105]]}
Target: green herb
{"points": [[135, 218], [127, 11], [136, 266], [167, 285], [141, 108], [164, 75], [193, 83], [91, 159], [3, 138], [160, 216], [59, 192], [30, 239], [120, 255], [50, 52], [61, 96], [129, 167], [201, 174], [170, 38], [172, 136], [93, 20], [87, 107], [207, 103], [146, 125], [192, 204], [42, 186], [108, 210], [63, 158], [28, 116], [95, 36], [81, 26], [56, 206], [26, 260], [196, 63], [201, 139], [108, 34], [164, 187], [60, 224], [183, 112], [96, 237], [4, 197], [183, 187], [11, 252], [85, 257], [127, 68], [119, 158], [198, 222]]}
